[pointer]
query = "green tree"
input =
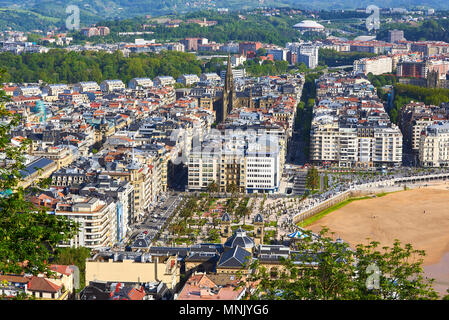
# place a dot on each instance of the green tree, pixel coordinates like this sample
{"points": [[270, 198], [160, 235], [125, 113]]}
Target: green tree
{"points": [[28, 235], [329, 270], [312, 179], [233, 189], [213, 187], [74, 256]]}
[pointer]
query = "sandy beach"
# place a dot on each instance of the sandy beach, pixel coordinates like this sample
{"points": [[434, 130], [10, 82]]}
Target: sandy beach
{"points": [[419, 216]]}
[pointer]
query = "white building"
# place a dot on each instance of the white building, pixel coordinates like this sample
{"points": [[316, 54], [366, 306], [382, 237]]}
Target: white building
{"points": [[164, 81], [88, 86], [350, 147], [253, 167], [376, 65], [309, 25], [434, 146], [177, 46], [54, 89], [230, 47], [236, 73], [97, 221], [28, 91], [237, 60], [263, 172], [417, 128], [188, 79], [210, 77], [308, 54], [112, 85], [140, 83]]}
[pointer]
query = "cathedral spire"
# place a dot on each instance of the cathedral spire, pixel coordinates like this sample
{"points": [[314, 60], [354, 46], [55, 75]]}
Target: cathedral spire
{"points": [[228, 77]]}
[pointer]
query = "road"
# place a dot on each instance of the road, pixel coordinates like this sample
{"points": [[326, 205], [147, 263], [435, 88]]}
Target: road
{"points": [[156, 220]]}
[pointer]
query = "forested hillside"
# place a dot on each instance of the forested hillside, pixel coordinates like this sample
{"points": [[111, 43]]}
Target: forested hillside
{"points": [[60, 66]]}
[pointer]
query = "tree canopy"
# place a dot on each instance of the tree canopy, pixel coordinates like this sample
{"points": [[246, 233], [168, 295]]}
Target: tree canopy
{"points": [[28, 235], [326, 269], [60, 66]]}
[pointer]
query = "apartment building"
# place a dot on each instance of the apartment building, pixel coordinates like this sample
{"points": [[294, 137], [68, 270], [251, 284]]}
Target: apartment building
{"points": [[210, 77], [355, 147], [54, 89], [350, 127], [164, 81], [395, 35], [140, 83], [247, 46], [434, 145], [415, 117], [111, 85], [133, 267], [140, 177], [122, 192], [308, 54], [27, 91], [412, 69], [251, 167], [191, 44], [188, 79], [236, 73], [278, 54], [88, 86], [376, 65], [97, 220], [95, 31]]}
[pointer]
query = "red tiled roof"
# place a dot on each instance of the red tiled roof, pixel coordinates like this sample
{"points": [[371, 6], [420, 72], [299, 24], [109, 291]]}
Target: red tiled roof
{"points": [[63, 269], [14, 278], [42, 284]]}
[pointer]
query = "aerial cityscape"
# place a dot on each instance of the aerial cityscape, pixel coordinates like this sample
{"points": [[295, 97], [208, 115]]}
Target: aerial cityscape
{"points": [[211, 151]]}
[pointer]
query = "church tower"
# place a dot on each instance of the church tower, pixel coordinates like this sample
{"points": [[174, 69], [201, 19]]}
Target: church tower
{"points": [[228, 93], [225, 231], [258, 229]]}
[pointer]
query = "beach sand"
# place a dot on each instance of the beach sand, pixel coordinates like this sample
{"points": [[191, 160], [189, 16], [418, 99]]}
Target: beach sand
{"points": [[400, 215]]}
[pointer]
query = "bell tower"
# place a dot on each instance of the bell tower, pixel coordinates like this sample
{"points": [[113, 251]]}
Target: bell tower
{"points": [[225, 228], [258, 229], [228, 93]]}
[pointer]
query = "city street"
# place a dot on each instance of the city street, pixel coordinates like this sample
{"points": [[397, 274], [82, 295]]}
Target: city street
{"points": [[156, 219]]}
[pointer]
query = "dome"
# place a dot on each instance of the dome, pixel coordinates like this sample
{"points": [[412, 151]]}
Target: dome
{"points": [[308, 24], [365, 38], [239, 238]]}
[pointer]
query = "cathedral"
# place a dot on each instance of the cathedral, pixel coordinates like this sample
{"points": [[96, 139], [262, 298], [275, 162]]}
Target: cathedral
{"points": [[230, 99]]}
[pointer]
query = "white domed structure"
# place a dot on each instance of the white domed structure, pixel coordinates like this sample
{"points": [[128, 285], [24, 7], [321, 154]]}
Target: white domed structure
{"points": [[309, 25]]}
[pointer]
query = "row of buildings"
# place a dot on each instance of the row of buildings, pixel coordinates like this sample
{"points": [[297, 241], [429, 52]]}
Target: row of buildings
{"points": [[110, 151], [108, 154], [422, 63], [350, 127], [425, 129], [205, 271], [247, 149]]}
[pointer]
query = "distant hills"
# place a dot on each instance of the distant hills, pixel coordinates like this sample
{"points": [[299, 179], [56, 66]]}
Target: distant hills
{"points": [[38, 14]]}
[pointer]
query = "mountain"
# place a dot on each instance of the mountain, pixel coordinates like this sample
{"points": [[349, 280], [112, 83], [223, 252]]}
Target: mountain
{"points": [[53, 12], [353, 4]]}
